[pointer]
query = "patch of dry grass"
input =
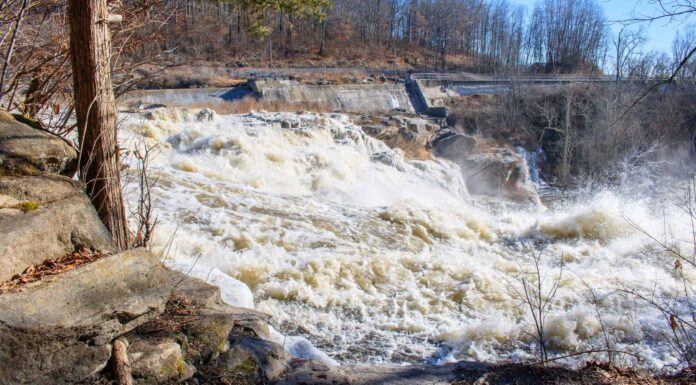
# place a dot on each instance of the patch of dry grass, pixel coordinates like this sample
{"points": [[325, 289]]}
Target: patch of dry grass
{"points": [[412, 150]]}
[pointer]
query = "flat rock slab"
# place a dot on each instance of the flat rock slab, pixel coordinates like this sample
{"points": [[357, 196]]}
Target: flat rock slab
{"points": [[26, 150], [45, 217], [58, 330]]}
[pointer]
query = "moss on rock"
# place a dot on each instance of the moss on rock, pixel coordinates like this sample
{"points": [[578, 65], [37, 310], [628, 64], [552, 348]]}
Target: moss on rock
{"points": [[27, 206]]}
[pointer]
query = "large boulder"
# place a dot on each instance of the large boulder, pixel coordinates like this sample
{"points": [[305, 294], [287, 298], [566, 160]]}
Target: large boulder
{"points": [[253, 360], [58, 330], [45, 217], [26, 150], [453, 145], [158, 362], [499, 172]]}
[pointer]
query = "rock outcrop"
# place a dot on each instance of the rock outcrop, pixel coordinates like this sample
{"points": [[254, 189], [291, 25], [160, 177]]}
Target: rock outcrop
{"points": [[26, 150], [497, 171], [453, 145], [43, 217], [158, 362], [58, 330], [411, 135]]}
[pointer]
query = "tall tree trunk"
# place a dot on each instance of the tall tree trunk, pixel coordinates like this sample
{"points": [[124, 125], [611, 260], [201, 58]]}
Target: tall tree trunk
{"points": [[323, 36], [90, 50], [565, 160]]}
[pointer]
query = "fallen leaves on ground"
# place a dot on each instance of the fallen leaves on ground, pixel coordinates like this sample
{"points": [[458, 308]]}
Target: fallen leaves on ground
{"points": [[51, 267], [178, 313]]}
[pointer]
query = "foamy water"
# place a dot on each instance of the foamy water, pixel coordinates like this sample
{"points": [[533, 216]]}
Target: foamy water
{"points": [[374, 258]]}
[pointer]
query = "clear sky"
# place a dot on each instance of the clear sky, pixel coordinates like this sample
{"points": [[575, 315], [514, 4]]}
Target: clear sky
{"points": [[659, 34]]}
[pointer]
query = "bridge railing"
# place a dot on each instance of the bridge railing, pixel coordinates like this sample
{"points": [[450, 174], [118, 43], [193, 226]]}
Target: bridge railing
{"points": [[508, 78], [473, 78]]}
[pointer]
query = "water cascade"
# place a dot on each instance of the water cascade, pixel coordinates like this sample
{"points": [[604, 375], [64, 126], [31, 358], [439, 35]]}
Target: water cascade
{"points": [[376, 258]]}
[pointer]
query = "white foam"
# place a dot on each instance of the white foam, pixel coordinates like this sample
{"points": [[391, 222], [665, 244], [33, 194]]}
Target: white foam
{"points": [[376, 256], [232, 291]]}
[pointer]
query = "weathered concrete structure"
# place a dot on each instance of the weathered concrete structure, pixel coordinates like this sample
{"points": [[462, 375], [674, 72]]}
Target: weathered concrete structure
{"points": [[353, 98]]}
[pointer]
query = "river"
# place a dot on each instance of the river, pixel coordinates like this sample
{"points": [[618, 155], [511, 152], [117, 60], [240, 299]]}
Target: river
{"points": [[394, 261]]}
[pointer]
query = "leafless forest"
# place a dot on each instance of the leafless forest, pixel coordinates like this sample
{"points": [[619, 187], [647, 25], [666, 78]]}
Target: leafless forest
{"points": [[483, 36]]}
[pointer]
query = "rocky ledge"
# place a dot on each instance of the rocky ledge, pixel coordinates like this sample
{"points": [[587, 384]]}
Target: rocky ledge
{"points": [[496, 171]]}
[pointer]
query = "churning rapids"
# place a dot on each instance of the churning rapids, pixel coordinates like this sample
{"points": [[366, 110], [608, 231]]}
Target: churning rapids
{"points": [[375, 258]]}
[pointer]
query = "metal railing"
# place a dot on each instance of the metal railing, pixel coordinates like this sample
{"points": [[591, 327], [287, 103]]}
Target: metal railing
{"points": [[467, 77], [479, 78]]}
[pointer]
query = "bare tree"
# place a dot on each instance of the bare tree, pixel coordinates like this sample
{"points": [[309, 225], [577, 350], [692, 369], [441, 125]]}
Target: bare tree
{"points": [[100, 167], [626, 43]]}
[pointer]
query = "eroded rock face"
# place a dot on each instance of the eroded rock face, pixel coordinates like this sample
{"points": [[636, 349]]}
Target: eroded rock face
{"points": [[43, 217], [26, 150], [59, 330], [499, 172]]}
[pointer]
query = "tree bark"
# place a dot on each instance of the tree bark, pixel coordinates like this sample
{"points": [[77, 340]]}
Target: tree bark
{"points": [[90, 50], [120, 365]]}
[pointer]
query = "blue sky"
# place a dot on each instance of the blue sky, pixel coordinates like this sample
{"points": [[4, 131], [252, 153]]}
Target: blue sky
{"points": [[659, 34]]}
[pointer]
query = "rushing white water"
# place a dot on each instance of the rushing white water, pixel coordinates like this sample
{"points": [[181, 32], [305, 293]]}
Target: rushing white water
{"points": [[376, 258]]}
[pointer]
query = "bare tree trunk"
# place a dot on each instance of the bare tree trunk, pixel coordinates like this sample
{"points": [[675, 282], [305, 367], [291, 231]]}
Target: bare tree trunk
{"points": [[565, 160], [90, 50], [323, 36]]}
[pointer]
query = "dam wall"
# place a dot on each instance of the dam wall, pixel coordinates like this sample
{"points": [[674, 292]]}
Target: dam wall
{"points": [[351, 98]]}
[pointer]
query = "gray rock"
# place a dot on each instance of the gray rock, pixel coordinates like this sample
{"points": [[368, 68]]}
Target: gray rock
{"points": [[158, 362], [376, 131], [499, 172], [414, 131], [45, 217], [386, 158], [453, 145], [26, 150], [316, 373], [255, 359], [245, 322], [58, 330]]}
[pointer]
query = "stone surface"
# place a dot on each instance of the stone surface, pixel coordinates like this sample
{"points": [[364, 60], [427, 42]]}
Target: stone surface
{"points": [[207, 297], [61, 219], [355, 98], [158, 362], [453, 145], [26, 150], [499, 172], [59, 330], [315, 373], [259, 359]]}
